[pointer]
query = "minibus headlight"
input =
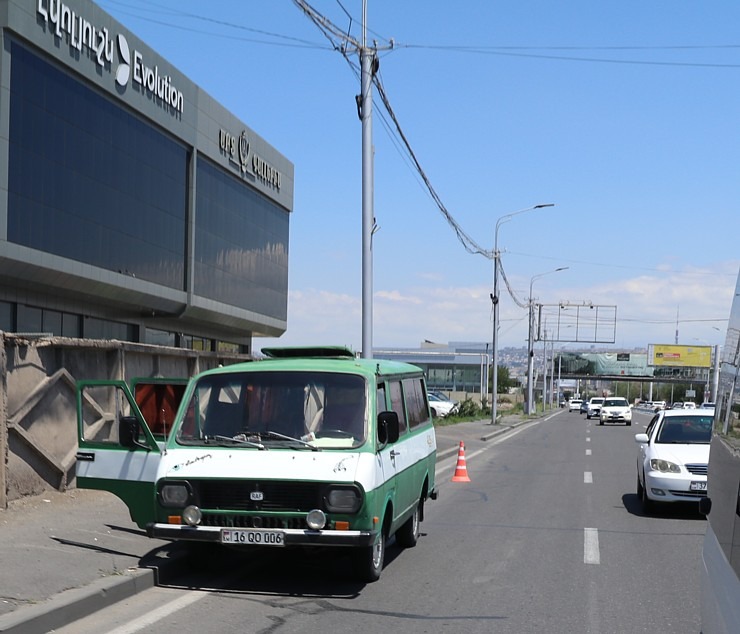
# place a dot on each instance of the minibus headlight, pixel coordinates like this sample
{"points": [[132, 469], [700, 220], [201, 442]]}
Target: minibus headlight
{"points": [[174, 494], [192, 516], [343, 499]]}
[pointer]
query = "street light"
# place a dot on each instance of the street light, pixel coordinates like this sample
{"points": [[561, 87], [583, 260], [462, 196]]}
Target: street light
{"points": [[494, 299], [530, 342]]}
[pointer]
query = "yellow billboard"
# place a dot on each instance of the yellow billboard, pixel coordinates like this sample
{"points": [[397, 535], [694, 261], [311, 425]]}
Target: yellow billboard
{"points": [[679, 356]]}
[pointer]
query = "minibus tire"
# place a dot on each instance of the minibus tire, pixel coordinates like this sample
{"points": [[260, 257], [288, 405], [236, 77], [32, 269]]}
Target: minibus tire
{"points": [[368, 560], [408, 535]]}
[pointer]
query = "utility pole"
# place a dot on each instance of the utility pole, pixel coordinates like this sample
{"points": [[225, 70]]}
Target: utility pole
{"points": [[369, 65]]}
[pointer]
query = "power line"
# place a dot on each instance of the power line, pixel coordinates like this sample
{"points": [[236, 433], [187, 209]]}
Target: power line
{"points": [[499, 51], [524, 51]]}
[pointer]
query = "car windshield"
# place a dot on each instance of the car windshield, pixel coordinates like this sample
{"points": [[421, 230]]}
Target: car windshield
{"points": [[276, 409], [616, 402], [685, 430], [597, 401]]}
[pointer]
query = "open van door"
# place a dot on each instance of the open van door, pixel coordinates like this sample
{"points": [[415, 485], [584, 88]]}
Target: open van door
{"points": [[117, 450]]}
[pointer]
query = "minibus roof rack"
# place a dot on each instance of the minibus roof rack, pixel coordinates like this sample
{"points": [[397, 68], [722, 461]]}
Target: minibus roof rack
{"points": [[303, 352]]}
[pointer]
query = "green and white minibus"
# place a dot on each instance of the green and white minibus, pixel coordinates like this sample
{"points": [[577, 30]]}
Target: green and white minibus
{"points": [[307, 447]]}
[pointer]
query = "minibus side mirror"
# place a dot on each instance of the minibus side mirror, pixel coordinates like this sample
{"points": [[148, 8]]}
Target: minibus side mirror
{"points": [[388, 427], [128, 433]]}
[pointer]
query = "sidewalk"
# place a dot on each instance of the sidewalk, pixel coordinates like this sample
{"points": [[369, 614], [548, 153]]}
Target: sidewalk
{"points": [[66, 555], [449, 436]]}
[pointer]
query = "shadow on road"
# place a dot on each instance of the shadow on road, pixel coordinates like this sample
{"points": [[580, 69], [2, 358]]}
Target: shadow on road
{"points": [[673, 510]]}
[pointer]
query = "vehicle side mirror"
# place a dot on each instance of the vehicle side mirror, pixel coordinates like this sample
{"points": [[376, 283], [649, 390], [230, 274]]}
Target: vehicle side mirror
{"points": [[128, 433], [642, 439], [388, 427], [705, 505]]}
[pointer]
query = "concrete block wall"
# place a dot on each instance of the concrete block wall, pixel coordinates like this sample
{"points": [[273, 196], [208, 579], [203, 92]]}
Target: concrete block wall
{"points": [[38, 418]]}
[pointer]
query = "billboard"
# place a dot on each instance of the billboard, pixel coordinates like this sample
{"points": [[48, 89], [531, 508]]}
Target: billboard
{"points": [[679, 356]]}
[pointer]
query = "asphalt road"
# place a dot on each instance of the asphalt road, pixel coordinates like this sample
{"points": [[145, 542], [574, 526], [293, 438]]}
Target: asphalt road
{"points": [[548, 536]]}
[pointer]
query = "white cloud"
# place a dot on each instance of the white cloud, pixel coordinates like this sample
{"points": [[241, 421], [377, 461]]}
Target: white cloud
{"points": [[647, 307]]}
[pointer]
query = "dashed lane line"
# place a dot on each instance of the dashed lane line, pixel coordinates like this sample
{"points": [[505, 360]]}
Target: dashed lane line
{"points": [[591, 546]]}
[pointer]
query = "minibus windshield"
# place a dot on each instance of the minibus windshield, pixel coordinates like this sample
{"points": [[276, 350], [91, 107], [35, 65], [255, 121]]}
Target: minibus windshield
{"points": [[264, 409]]}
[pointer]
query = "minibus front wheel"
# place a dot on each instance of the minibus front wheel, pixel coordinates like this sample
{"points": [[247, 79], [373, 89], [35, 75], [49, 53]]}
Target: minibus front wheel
{"points": [[369, 559]]}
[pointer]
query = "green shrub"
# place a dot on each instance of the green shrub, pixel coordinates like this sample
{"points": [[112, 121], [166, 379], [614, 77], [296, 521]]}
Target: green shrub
{"points": [[468, 407]]}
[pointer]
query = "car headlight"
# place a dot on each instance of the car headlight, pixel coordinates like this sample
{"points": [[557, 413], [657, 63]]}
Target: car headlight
{"points": [[343, 499], [174, 494], [664, 466]]}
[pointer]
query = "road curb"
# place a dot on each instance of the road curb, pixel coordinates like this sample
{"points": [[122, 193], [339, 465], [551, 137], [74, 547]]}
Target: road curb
{"points": [[70, 605], [77, 603]]}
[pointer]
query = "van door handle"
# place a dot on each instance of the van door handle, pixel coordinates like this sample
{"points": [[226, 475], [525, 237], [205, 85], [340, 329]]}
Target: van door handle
{"points": [[395, 453]]}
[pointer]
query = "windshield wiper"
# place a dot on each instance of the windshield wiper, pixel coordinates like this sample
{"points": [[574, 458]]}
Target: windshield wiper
{"points": [[240, 439], [274, 434]]}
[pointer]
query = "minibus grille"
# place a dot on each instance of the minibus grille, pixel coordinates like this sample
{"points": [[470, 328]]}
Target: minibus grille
{"points": [[252, 521], [258, 495]]}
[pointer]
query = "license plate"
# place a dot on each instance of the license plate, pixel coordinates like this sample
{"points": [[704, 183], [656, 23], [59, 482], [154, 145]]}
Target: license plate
{"points": [[252, 537], [698, 486]]}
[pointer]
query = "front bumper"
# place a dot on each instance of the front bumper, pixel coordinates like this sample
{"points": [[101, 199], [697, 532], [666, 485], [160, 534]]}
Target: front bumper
{"points": [[615, 418], [673, 487], [293, 537]]}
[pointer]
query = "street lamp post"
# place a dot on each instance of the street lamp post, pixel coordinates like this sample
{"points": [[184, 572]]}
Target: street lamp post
{"points": [[530, 339], [495, 300]]}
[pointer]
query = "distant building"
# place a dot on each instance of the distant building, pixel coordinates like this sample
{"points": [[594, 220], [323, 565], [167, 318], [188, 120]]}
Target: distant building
{"points": [[453, 367], [133, 206]]}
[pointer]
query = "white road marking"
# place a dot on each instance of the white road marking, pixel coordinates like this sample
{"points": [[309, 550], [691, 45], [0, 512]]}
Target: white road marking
{"points": [[591, 546], [588, 477], [588, 452], [588, 439], [152, 617]]}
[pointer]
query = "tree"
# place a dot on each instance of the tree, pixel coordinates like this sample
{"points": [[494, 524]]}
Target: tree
{"points": [[504, 380]]}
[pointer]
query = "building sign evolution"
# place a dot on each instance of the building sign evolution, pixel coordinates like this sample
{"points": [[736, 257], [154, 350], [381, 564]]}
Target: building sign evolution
{"points": [[238, 151], [97, 42]]}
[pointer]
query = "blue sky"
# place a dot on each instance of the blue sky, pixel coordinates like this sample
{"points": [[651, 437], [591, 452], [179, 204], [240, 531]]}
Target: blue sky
{"points": [[625, 115]]}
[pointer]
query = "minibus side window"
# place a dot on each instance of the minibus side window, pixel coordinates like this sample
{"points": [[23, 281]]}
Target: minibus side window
{"points": [[416, 404], [380, 405], [397, 404]]}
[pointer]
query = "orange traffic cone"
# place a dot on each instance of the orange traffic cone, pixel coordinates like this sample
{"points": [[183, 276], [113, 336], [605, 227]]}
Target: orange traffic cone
{"points": [[461, 470]]}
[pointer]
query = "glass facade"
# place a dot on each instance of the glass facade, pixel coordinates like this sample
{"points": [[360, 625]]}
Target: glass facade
{"points": [[7, 323], [102, 329], [241, 244], [90, 182]]}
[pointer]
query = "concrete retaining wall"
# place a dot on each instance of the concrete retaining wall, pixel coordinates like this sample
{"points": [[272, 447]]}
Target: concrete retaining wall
{"points": [[38, 420]]}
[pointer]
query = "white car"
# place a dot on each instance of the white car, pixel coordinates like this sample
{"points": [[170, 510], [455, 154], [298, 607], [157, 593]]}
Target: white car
{"points": [[673, 456], [574, 405], [684, 405], [594, 407], [615, 409], [441, 406]]}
